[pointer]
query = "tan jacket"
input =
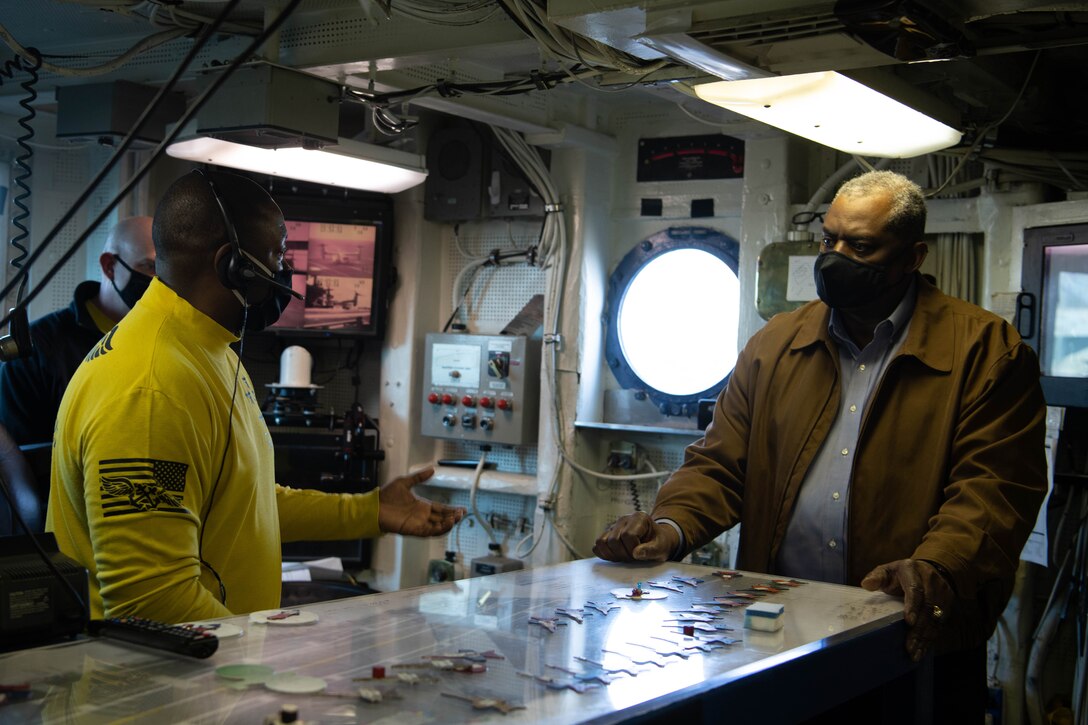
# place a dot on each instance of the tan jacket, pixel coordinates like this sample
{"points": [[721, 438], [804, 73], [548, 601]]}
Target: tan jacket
{"points": [[950, 465]]}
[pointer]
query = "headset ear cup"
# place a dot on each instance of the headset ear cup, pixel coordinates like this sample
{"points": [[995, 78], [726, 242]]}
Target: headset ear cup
{"points": [[222, 269], [235, 271], [241, 271]]}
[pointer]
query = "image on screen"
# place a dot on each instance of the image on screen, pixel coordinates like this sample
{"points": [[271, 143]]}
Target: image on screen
{"points": [[1065, 311], [333, 269]]}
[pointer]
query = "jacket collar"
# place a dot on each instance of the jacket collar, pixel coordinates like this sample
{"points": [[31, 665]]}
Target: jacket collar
{"points": [[926, 340], [86, 290]]}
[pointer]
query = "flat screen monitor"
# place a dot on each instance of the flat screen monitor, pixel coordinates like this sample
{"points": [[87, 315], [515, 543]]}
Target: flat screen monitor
{"points": [[1052, 312], [339, 250]]}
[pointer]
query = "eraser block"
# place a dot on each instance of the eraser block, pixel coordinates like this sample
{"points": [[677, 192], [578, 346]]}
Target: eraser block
{"points": [[764, 616]]}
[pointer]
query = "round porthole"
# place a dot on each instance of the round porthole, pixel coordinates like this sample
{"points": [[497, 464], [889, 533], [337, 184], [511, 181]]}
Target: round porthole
{"points": [[673, 311]]}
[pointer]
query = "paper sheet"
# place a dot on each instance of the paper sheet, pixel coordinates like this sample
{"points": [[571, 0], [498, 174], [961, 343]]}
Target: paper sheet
{"points": [[299, 571], [1037, 547], [800, 284]]}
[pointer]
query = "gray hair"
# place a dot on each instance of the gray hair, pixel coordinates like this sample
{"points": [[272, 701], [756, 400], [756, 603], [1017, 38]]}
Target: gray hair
{"points": [[907, 219]]}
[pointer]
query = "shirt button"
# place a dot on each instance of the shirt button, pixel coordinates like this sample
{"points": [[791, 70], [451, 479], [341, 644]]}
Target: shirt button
{"points": [[831, 544], [835, 496], [861, 367], [853, 408], [845, 452]]}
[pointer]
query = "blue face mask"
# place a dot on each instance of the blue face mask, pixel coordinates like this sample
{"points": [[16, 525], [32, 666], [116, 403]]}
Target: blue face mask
{"points": [[134, 289]]}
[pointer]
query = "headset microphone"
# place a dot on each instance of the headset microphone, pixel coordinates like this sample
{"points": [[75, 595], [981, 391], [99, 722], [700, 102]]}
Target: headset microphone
{"points": [[253, 271], [17, 342], [281, 286]]}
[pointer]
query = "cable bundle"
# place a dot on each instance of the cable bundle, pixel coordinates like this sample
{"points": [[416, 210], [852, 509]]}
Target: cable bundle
{"points": [[1066, 606], [565, 45], [446, 12]]}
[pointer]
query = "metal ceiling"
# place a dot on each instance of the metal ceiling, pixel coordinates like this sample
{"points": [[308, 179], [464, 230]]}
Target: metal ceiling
{"points": [[1027, 64]]}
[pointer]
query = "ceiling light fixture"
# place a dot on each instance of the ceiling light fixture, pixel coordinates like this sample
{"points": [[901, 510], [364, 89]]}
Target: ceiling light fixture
{"points": [[346, 163], [836, 111]]}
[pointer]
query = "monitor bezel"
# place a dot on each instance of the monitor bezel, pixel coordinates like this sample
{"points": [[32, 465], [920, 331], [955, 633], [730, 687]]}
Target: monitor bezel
{"points": [[314, 203], [1058, 390]]}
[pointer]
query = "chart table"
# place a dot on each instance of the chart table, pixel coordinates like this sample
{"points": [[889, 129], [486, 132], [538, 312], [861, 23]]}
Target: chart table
{"points": [[557, 644]]}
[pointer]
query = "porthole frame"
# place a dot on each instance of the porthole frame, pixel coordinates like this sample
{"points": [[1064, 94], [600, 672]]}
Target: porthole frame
{"points": [[668, 240]]}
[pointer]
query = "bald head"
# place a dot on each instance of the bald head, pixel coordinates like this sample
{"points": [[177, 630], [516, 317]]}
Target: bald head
{"points": [[192, 235], [189, 225], [128, 252], [131, 238]]}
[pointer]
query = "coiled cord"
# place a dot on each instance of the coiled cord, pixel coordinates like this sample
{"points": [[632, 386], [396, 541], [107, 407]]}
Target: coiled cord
{"points": [[632, 485], [22, 161]]}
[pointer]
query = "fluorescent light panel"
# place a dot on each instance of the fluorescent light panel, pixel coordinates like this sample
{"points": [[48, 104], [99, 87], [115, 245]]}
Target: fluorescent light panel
{"points": [[833, 110], [349, 163]]}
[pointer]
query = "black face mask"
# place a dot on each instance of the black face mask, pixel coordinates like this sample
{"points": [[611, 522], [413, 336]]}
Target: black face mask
{"points": [[134, 289], [268, 311], [844, 283]]}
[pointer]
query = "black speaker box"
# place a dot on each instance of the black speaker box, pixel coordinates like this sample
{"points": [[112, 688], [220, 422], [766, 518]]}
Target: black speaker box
{"points": [[472, 178], [458, 162]]}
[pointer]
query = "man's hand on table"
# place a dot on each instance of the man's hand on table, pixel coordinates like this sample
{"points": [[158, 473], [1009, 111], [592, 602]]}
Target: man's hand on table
{"points": [[636, 537], [928, 599]]}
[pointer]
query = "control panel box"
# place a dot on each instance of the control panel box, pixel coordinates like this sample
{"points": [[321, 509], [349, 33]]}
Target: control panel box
{"points": [[483, 388]]}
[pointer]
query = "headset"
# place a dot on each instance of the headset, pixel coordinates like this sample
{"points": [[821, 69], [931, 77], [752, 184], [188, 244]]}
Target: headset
{"points": [[235, 273], [239, 269]]}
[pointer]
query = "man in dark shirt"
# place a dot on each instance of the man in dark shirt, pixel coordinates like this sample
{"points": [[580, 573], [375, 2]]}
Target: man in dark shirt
{"points": [[31, 387]]}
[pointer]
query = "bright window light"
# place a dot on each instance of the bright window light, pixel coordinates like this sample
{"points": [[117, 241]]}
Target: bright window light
{"points": [[677, 322]]}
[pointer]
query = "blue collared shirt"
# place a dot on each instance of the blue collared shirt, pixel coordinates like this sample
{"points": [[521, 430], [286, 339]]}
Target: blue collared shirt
{"points": [[815, 543]]}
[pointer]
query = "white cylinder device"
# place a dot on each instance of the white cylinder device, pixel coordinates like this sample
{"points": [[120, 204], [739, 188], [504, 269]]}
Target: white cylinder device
{"points": [[296, 364]]}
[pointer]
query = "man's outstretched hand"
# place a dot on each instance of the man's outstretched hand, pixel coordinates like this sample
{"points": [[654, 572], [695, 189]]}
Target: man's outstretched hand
{"points": [[400, 511], [636, 537]]}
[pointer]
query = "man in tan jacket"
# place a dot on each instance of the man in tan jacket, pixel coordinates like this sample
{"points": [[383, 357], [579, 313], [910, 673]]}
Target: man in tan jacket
{"points": [[886, 435]]}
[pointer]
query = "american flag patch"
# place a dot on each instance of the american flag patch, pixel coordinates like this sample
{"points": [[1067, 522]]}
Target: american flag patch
{"points": [[139, 485]]}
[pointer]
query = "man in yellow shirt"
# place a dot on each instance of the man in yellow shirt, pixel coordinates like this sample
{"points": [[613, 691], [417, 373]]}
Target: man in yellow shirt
{"points": [[163, 474]]}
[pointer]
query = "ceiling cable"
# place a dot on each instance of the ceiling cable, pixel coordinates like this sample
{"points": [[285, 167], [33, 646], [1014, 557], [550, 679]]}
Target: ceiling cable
{"points": [[981, 136], [146, 167], [151, 41], [118, 152]]}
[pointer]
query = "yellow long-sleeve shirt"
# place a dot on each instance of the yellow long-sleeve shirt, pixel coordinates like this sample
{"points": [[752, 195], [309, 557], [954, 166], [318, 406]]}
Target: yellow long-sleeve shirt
{"points": [[154, 469]]}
